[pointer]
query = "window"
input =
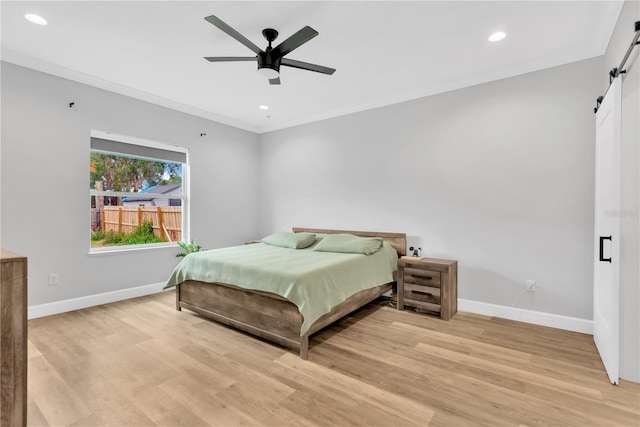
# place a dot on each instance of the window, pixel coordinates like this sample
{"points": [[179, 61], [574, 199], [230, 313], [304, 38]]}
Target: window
{"points": [[138, 193]]}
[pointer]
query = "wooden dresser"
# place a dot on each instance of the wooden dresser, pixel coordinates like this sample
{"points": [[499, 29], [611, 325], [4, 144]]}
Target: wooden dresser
{"points": [[13, 340], [429, 284]]}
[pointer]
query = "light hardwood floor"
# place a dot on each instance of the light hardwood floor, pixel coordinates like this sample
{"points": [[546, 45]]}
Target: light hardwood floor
{"points": [[141, 363]]}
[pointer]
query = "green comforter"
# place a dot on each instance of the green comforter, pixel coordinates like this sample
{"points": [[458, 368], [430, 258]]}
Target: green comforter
{"points": [[314, 281]]}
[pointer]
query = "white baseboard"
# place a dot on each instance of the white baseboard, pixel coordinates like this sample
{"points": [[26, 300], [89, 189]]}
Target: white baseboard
{"points": [[42, 310], [528, 316]]}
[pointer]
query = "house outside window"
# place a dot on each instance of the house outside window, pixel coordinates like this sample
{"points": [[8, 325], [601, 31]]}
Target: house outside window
{"points": [[138, 193]]}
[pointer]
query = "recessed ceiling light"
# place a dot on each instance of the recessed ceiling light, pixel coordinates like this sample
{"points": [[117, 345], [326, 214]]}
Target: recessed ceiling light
{"points": [[264, 107], [36, 19], [496, 37]]}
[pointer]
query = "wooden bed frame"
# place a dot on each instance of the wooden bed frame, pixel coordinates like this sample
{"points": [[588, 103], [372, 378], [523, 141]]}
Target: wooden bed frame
{"points": [[271, 316]]}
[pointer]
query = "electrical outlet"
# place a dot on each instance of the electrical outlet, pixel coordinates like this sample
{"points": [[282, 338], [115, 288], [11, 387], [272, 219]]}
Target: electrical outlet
{"points": [[54, 279], [531, 285]]}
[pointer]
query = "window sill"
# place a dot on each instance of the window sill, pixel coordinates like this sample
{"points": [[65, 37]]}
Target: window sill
{"points": [[123, 250]]}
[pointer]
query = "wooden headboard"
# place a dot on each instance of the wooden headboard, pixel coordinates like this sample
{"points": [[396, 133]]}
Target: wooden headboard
{"points": [[397, 240]]}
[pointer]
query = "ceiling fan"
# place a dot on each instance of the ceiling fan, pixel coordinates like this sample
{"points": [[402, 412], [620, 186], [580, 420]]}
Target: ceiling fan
{"points": [[270, 59]]}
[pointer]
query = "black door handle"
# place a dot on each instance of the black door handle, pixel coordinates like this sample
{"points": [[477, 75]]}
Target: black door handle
{"points": [[602, 239]]}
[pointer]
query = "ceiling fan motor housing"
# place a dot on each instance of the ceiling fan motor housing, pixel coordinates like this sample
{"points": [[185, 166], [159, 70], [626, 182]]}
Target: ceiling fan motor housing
{"points": [[268, 60]]}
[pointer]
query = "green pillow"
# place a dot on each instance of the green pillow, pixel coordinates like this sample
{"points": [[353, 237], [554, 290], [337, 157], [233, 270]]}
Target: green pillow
{"points": [[286, 239], [350, 244]]}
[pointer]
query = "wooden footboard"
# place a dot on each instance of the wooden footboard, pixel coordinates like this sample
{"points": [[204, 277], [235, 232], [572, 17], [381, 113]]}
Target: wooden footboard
{"points": [[259, 313], [264, 314]]}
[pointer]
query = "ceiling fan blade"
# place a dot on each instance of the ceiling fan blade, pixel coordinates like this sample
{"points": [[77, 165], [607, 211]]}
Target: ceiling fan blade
{"points": [[296, 40], [275, 81], [307, 66], [229, 58], [233, 33]]}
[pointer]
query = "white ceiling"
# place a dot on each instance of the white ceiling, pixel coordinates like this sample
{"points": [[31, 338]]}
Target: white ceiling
{"points": [[384, 51]]}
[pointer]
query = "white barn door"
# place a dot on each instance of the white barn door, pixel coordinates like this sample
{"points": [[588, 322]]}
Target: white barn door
{"points": [[607, 231]]}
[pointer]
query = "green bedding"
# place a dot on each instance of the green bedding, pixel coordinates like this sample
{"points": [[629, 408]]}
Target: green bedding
{"points": [[314, 281]]}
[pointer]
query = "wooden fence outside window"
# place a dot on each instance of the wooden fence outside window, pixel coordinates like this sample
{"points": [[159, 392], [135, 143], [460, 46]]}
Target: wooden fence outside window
{"points": [[166, 220]]}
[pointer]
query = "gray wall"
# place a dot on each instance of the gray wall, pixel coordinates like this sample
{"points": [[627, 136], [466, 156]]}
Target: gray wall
{"points": [[44, 182], [629, 189], [499, 176]]}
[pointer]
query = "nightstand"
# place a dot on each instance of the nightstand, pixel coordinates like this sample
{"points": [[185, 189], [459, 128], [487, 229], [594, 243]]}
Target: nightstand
{"points": [[428, 283]]}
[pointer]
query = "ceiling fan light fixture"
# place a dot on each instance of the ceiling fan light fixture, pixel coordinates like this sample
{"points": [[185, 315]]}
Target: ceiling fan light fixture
{"points": [[269, 73], [268, 64]]}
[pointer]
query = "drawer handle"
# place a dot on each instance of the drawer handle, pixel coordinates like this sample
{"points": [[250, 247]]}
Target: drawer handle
{"points": [[422, 293], [423, 277]]}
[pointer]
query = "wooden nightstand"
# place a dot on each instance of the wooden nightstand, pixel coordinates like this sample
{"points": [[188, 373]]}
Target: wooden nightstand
{"points": [[428, 283]]}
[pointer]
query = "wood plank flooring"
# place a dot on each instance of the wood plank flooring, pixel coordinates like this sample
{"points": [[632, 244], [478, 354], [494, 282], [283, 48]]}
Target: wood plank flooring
{"points": [[141, 363]]}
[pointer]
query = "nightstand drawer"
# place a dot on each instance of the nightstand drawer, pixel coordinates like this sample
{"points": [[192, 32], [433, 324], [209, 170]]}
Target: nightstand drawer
{"points": [[422, 277], [421, 293]]}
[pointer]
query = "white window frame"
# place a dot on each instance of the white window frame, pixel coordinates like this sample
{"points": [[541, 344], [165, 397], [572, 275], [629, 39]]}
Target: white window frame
{"points": [[185, 196]]}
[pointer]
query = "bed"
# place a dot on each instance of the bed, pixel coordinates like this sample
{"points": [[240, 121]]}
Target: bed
{"points": [[267, 314]]}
